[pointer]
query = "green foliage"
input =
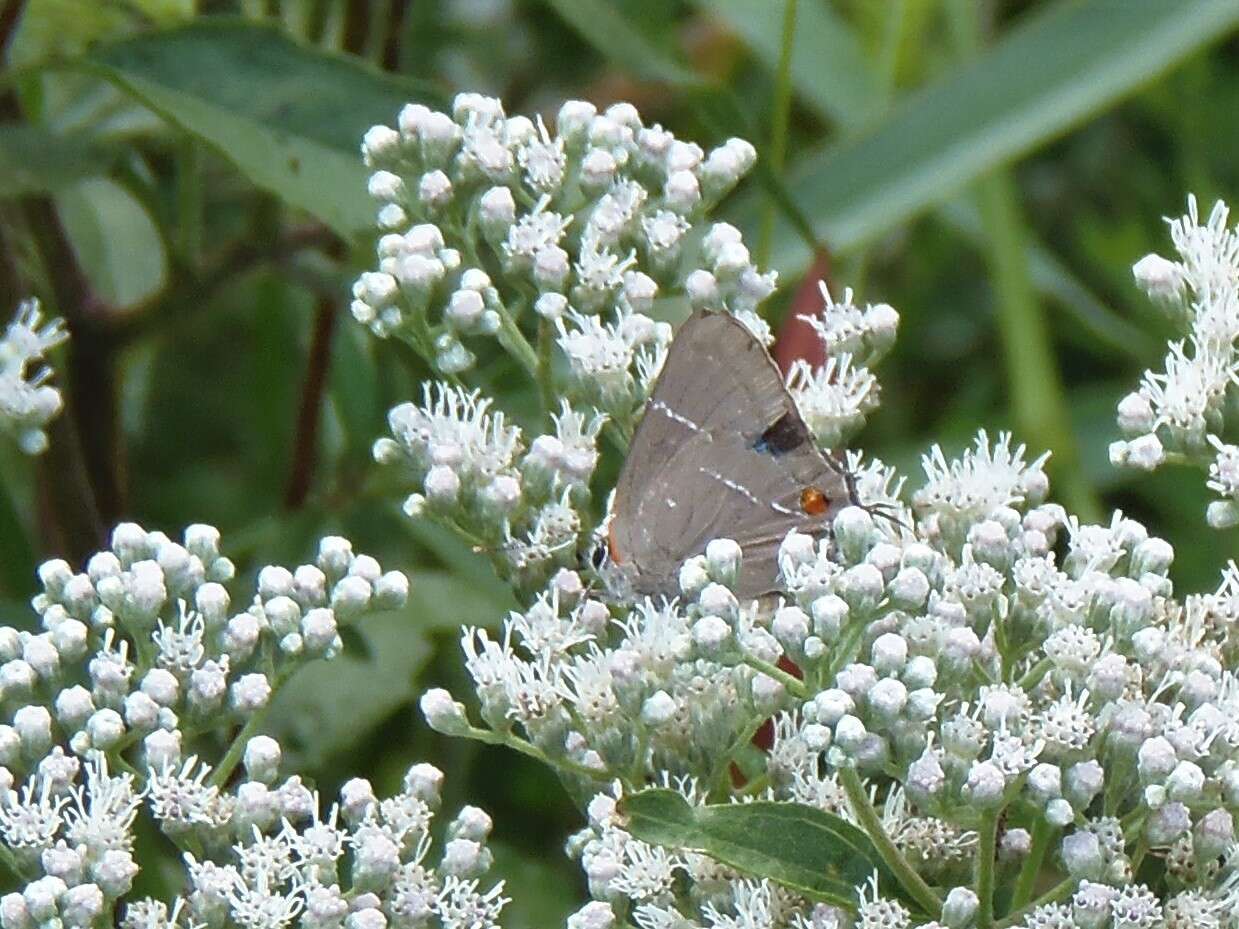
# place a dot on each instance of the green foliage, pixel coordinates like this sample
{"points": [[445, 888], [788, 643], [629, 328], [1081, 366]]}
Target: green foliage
{"points": [[815, 853], [205, 174], [289, 118]]}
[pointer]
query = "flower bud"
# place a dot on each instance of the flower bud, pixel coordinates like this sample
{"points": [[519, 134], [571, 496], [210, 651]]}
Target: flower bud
{"points": [[658, 710], [791, 627], [889, 653], [908, 589], [1167, 823], [1162, 280], [984, 786], [723, 560], [861, 587], [1083, 856], [830, 614], [1083, 782], [1214, 834], [444, 714], [1155, 760], [960, 908]]}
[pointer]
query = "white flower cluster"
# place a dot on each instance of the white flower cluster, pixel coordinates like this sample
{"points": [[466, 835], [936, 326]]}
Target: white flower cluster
{"points": [[27, 402], [495, 226], [998, 694], [834, 399], [980, 655], [1179, 413], [974, 651], [260, 855], [526, 505], [141, 665]]}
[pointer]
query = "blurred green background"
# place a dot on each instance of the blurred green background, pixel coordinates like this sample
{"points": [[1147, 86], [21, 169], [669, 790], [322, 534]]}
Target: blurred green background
{"points": [[182, 183]]}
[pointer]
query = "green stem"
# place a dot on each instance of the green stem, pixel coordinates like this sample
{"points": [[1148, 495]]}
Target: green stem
{"points": [[754, 787], [892, 42], [515, 343], [869, 820], [546, 386], [17, 554], [1026, 883], [781, 108], [1032, 677], [228, 763], [1059, 891], [794, 685], [121, 764], [189, 201], [1001, 643], [490, 737], [1038, 403], [983, 870], [845, 654], [9, 862]]}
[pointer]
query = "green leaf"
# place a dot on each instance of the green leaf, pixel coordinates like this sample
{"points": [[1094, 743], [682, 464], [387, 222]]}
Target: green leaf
{"points": [[1046, 75], [115, 239], [829, 67], [329, 707], [813, 852], [832, 76], [291, 118], [604, 27], [547, 894], [34, 160], [1055, 280]]}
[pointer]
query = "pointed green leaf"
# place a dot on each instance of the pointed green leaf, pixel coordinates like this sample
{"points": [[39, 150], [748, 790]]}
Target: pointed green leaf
{"points": [[116, 241], [605, 27], [328, 707], [829, 67], [814, 852], [1043, 77], [34, 160], [290, 117]]}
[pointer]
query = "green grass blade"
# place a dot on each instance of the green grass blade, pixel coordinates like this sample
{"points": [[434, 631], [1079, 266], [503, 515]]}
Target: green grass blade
{"points": [[829, 68], [605, 28], [1055, 280], [1043, 77]]}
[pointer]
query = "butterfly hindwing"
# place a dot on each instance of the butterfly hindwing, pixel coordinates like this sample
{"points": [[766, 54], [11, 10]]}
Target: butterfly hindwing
{"points": [[721, 451]]}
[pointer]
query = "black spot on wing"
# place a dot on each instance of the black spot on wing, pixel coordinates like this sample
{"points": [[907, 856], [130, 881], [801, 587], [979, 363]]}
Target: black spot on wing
{"points": [[785, 434]]}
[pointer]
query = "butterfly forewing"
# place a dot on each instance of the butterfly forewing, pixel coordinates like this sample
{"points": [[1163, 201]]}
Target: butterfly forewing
{"points": [[720, 452]]}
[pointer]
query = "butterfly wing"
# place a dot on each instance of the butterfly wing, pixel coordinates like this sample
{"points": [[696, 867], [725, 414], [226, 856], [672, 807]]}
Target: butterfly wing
{"points": [[720, 451]]}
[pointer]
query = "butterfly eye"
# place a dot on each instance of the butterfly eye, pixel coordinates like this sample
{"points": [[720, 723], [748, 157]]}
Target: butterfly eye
{"points": [[813, 501]]}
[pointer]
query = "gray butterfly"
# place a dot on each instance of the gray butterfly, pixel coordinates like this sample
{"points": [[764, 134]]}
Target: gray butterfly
{"points": [[720, 452]]}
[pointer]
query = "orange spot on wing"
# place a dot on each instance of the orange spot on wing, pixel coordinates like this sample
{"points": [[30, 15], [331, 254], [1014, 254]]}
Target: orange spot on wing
{"points": [[612, 548], [813, 501]]}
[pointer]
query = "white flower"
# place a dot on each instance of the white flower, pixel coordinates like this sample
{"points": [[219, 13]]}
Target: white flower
{"points": [[182, 798], [31, 818], [104, 810], [833, 399], [27, 401], [460, 905], [534, 233], [983, 479]]}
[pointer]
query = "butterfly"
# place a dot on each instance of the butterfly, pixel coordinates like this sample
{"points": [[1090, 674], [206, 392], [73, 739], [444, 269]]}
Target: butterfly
{"points": [[720, 452]]}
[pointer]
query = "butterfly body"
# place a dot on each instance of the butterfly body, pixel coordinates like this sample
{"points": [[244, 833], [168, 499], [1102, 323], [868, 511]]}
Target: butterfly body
{"points": [[720, 452]]}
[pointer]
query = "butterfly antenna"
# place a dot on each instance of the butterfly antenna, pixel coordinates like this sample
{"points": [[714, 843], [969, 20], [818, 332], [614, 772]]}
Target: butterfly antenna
{"points": [[878, 509], [848, 478]]}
